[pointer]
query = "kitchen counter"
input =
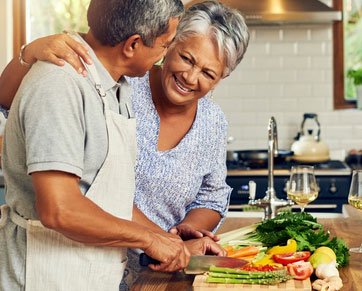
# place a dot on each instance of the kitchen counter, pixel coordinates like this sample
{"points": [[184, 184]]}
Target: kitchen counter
{"points": [[348, 228]]}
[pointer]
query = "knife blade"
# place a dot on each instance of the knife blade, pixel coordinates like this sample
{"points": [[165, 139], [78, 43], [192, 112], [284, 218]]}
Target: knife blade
{"points": [[199, 264]]}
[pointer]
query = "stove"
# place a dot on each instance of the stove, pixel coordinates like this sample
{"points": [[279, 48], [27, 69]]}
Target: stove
{"points": [[333, 178]]}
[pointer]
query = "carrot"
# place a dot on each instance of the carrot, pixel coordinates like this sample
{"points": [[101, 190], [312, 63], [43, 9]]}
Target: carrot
{"points": [[229, 250], [244, 252]]}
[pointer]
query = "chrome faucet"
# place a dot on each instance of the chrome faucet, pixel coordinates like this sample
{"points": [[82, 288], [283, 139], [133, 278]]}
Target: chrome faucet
{"points": [[270, 202]]}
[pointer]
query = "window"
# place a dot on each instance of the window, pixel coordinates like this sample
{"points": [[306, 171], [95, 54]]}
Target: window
{"points": [[53, 16], [36, 18], [347, 53]]}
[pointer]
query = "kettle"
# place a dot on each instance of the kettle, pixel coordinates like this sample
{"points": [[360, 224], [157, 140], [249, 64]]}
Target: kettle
{"points": [[308, 147]]}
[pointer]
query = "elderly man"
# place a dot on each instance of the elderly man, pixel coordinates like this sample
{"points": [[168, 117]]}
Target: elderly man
{"points": [[69, 154]]}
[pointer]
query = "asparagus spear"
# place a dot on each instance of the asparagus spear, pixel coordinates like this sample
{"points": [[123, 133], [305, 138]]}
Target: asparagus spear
{"points": [[261, 281], [255, 274]]}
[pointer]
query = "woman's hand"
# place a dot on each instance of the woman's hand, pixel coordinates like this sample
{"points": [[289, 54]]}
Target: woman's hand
{"points": [[186, 232], [204, 246], [58, 49]]}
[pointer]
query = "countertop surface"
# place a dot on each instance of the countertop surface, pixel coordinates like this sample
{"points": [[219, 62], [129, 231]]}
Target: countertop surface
{"points": [[348, 228]]}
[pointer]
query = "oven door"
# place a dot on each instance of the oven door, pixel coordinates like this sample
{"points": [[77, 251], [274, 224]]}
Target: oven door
{"points": [[333, 192]]}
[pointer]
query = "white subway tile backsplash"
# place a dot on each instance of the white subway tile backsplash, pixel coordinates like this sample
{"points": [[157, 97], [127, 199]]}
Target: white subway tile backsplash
{"points": [[322, 32], [283, 49], [357, 133], [286, 72], [268, 62], [310, 76], [280, 76], [253, 76], [258, 49], [268, 34], [311, 104], [321, 62], [297, 34], [297, 62], [323, 90], [337, 132], [297, 90], [312, 49], [284, 105], [269, 90]]}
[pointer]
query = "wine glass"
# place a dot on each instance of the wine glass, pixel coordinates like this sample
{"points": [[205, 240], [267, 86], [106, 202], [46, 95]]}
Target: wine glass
{"points": [[302, 187], [355, 197]]}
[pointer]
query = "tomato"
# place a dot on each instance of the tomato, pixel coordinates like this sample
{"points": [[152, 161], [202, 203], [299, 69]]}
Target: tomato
{"points": [[286, 259], [300, 270]]}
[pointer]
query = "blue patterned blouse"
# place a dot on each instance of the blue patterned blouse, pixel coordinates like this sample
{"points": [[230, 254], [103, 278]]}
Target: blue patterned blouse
{"points": [[192, 175]]}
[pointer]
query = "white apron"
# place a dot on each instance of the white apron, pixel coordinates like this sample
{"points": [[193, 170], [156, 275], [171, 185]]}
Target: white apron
{"points": [[56, 263]]}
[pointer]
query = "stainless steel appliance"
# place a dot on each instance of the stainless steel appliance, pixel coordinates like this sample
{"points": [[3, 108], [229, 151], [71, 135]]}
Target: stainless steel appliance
{"points": [[272, 12], [332, 176]]}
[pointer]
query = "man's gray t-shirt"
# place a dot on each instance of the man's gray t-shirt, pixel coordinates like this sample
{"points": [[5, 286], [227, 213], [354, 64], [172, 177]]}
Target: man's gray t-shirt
{"points": [[57, 123]]}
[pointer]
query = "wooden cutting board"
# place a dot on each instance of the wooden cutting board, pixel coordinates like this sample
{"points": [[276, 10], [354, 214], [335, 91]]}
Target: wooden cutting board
{"points": [[201, 285]]}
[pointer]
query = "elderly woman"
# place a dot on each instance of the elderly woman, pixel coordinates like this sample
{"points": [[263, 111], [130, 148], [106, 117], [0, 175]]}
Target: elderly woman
{"points": [[181, 133]]}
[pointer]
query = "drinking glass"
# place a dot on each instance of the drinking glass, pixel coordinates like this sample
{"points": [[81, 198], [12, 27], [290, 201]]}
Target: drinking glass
{"points": [[355, 197], [302, 187]]}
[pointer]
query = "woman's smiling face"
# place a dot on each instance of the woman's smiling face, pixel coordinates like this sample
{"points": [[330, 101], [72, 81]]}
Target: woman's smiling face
{"points": [[191, 69]]}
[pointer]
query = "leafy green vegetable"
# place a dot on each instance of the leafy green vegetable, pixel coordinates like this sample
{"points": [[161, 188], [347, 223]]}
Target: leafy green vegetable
{"points": [[274, 231], [302, 227]]}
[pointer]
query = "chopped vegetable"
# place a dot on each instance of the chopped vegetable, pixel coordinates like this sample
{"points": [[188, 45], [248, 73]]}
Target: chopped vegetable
{"points": [[291, 247], [331, 284], [300, 270], [243, 252], [286, 259], [266, 260]]}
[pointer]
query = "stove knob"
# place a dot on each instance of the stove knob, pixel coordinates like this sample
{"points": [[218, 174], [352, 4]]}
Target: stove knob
{"points": [[333, 188]]}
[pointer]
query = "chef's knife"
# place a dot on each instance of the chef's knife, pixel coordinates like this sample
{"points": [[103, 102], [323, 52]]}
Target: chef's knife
{"points": [[200, 264]]}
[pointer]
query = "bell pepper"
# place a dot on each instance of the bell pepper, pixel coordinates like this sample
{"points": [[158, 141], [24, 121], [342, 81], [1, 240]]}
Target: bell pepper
{"points": [[291, 247], [267, 260], [286, 259]]}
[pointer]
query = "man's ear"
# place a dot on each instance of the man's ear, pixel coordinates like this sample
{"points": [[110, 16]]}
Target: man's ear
{"points": [[131, 45]]}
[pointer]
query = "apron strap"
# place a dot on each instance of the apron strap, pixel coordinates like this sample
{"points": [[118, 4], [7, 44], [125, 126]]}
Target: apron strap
{"points": [[17, 219]]}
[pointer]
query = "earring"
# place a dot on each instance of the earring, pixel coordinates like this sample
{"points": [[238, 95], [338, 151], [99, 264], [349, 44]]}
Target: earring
{"points": [[211, 96], [159, 63]]}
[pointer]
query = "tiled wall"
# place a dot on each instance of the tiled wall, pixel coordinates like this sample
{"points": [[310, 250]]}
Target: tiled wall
{"points": [[286, 71]]}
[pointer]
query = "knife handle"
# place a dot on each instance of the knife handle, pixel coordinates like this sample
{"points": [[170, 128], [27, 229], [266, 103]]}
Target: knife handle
{"points": [[145, 260]]}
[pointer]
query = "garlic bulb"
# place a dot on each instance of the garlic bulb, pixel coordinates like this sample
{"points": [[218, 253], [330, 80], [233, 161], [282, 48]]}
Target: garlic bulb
{"points": [[326, 270]]}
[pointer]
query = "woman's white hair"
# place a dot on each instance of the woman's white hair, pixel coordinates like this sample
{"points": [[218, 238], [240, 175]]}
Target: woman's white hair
{"points": [[224, 25]]}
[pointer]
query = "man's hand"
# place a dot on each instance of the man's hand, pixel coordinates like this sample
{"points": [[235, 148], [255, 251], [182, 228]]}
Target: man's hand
{"points": [[170, 250], [186, 232], [204, 246]]}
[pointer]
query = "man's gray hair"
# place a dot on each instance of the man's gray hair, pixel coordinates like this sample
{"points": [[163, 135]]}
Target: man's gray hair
{"points": [[113, 21], [226, 26]]}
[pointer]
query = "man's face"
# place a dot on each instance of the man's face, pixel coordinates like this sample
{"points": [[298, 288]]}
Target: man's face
{"points": [[146, 56]]}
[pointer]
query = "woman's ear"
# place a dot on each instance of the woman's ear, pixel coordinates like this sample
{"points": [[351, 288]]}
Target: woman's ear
{"points": [[132, 45]]}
